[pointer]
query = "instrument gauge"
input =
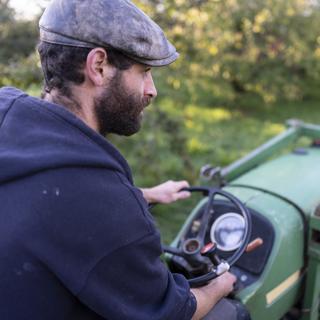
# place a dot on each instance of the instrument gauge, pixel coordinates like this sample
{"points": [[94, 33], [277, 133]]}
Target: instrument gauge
{"points": [[228, 231]]}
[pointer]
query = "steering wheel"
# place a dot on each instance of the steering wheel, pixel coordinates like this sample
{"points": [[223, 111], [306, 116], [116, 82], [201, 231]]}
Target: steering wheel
{"points": [[194, 250]]}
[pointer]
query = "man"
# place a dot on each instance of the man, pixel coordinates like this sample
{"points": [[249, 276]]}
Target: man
{"points": [[77, 239]]}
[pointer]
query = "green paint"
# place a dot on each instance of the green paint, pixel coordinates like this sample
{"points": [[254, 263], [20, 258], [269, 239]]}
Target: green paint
{"points": [[286, 191], [285, 259]]}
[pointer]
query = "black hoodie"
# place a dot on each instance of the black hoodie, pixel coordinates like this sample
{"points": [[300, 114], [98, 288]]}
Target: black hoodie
{"points": [[76, 238]]}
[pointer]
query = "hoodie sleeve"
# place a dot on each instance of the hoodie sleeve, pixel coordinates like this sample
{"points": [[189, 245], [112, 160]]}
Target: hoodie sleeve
{"points": [[97, 236], [133, 283]]}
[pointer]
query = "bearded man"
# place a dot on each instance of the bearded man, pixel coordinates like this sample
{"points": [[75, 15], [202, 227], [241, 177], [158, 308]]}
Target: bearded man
{"points": [[77, 238]]}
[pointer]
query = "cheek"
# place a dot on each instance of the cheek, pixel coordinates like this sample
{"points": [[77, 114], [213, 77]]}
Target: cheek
{"points": [[138, 87], [135, 84]]}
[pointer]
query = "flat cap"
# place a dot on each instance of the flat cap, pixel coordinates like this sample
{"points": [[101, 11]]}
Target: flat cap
{"points": [[107, 23]]}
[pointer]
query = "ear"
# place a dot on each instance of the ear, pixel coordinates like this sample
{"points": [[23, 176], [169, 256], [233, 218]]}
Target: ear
{"points": [[97, 67]]}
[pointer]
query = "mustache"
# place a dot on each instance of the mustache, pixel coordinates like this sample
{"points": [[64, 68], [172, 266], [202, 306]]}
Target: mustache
{"points": [[146, 101]]}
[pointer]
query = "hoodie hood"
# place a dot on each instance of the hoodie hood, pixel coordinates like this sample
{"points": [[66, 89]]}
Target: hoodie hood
{"points": [[36, 135]]}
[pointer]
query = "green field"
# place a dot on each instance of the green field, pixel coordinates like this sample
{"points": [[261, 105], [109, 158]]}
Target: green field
{"points": [[175, 142], [217, 136]]}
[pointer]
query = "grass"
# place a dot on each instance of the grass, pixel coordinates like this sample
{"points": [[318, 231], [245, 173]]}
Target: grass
{"points": [[221, 135], [215, 135]]}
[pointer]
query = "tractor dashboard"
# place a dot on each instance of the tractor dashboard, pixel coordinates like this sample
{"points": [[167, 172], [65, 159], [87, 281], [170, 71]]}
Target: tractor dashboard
{"points": [[225, 228]]}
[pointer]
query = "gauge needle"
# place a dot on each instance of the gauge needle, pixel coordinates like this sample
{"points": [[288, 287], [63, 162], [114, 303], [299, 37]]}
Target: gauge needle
{"points": [[229, 230]]}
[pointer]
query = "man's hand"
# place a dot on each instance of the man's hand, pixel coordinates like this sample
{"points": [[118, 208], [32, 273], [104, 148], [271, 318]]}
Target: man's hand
{"points": [[207, 296], [166, 192]]}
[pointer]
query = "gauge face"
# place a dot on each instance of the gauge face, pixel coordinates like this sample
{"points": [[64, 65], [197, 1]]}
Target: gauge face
{"points": [[228, 231]]}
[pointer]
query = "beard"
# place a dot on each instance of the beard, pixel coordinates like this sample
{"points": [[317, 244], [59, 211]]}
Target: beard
{"points": [[118, 110]]}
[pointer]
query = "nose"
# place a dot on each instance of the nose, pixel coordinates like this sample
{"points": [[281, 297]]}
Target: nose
{"points": [[150, 89]]}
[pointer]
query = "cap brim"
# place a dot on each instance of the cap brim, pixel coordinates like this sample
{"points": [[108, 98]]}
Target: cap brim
{"points": [[55, 38], [156, 63]]}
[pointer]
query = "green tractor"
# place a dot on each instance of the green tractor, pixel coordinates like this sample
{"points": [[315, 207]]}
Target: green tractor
{"points": [[270, 238]]}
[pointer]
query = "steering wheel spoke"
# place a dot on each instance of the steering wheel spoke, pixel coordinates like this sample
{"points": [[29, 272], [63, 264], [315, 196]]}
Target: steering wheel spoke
{"points": [[193, 249]]}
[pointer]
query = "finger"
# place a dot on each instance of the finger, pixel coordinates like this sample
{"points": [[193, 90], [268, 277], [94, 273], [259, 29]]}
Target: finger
{"points": [[232, 277], [182, 195], [182, 184]]}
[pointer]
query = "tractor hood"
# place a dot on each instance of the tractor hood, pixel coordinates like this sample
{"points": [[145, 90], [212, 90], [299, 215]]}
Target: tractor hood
{"points": [[295, 177]]}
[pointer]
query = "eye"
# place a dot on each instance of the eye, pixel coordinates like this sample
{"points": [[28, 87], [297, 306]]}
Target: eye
{"points": [[146, 71]]}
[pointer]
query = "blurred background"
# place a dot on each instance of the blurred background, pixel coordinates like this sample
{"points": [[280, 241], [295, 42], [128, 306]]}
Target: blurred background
{"points": [[245, 67]]}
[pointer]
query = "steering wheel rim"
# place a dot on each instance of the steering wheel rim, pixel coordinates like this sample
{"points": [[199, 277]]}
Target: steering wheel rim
{"points": [[224, 266]]}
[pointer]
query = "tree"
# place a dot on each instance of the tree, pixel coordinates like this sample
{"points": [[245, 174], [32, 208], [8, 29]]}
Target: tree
{"points": [[234, 49], [6, 13], [18, 39]]}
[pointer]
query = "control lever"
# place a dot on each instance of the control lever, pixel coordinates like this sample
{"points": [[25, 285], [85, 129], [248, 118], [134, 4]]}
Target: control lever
{"points": [[209, 250], [254, 244]]}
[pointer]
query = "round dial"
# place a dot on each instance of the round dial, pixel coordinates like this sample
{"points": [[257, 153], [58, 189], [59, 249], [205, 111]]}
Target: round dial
{"points": [[228, 231]]}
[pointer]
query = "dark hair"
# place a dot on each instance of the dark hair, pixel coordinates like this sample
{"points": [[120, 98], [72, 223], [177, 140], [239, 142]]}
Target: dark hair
{"points": [[62, 65]]}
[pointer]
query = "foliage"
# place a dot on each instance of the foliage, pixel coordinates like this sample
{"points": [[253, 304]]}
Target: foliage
{"points": [[18, 61], [244, 67], [235, 51], [23, 73], [6, 13], [221, 136]]}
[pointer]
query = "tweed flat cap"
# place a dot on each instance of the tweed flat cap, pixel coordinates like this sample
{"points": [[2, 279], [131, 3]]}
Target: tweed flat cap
{"points": [[108, 23]]}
